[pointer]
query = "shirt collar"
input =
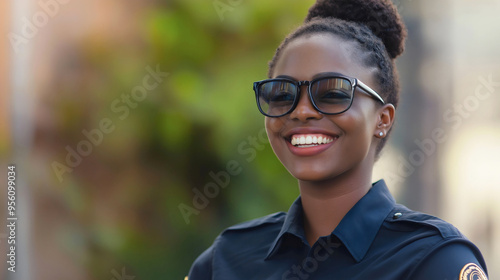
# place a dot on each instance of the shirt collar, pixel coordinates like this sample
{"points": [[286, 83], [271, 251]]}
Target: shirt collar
{"points": [[358, 228], [360, 225], [293, 225]]}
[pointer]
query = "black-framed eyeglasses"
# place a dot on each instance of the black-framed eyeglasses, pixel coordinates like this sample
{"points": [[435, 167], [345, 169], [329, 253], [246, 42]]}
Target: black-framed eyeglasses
{"points": [[330, 95]]}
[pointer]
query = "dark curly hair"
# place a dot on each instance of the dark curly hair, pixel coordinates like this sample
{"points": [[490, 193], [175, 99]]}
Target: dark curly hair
{"points": [[375, 25]]}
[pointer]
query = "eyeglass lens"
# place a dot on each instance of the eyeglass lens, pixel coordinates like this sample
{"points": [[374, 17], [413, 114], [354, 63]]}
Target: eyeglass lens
{"points": [[330, 95]]}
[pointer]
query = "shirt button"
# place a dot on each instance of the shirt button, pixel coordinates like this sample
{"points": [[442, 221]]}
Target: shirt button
{"points": [[397, 215]]}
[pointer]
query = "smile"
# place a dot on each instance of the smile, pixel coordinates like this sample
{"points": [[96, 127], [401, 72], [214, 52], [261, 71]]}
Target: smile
{"points": [[310, 140]]}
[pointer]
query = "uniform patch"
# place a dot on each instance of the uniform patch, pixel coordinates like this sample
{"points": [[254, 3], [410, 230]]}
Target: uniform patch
{"points": [[472, 271]]}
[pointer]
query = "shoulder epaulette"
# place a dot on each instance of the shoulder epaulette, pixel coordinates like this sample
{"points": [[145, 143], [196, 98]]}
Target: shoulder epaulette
{"points": [[400, 213]]}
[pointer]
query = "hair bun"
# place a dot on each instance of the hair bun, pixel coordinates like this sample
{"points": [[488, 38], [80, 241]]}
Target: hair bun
{"points": [[381, 16]]}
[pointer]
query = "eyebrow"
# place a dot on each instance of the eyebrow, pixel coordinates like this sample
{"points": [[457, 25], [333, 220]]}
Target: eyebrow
{"points": [[319, 75], [285, 77], [326, 74]]}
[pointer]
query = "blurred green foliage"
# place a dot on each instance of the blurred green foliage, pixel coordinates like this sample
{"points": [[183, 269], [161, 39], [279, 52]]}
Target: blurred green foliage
{"points": [[125, 197]]}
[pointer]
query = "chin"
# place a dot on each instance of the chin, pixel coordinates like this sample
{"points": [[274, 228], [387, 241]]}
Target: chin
{"points": [[311, 175]]}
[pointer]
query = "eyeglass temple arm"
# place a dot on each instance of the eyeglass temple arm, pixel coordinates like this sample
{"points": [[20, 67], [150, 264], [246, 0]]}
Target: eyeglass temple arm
{"points": [[370, 91]]}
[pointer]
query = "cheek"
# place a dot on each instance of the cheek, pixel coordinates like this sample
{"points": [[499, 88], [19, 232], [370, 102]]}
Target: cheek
{"points": [[273, 127], [359, 128], [358, 125]]}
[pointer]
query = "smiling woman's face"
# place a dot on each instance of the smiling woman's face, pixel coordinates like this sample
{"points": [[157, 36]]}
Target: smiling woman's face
{"points": [[351, 136]]}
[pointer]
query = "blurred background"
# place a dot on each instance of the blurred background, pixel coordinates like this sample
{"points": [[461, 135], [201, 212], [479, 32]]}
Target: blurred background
{"points": [[136, 137]]}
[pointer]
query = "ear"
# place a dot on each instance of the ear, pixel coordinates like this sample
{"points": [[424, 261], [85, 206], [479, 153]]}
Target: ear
{"points": [[385, 119]]}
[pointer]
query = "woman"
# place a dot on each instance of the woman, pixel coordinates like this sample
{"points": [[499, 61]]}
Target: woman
{"points": [[330, 106]]}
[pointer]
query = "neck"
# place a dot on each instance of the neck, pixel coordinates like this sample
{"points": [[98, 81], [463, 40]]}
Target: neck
{"points": [[326, 203]]}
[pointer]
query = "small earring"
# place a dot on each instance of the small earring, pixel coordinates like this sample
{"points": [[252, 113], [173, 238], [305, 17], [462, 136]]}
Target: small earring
{"points": [[380, 134]]}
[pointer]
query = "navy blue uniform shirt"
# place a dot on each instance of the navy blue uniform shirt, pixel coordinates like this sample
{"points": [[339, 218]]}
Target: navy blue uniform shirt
{"points": [[377, 239]]}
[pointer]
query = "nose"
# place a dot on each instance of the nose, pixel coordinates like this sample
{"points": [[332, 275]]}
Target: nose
{"points": [[305, 110]]}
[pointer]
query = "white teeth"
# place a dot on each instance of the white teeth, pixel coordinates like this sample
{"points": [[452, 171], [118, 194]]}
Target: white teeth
{"points": [[305, 141]]}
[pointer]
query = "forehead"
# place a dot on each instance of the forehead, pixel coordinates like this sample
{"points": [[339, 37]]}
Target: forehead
{"points": [[305, 57]]}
